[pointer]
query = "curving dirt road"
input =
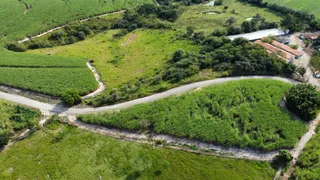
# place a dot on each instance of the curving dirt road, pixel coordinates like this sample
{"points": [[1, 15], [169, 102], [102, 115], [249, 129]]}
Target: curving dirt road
{"points": [[60, 109], [49, 109]]}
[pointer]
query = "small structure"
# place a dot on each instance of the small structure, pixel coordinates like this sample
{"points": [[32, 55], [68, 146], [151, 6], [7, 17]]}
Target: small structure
{"points": [[259, 34], [211, 3], [309, 36], [288, 49], [279, 52]]}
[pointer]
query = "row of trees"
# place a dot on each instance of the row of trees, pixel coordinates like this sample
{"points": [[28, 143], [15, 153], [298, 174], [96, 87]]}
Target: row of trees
{"points": [[295, 21], [257, 23]]}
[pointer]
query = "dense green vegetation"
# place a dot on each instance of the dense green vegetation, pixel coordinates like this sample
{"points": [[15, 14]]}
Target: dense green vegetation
{"points": [[29, 17], [294, 20], [79, 154], [210, 18], [15, 118], [315, 61], [241, 113], [304, 100], [308, 163], [45, 74], [51, 81]]}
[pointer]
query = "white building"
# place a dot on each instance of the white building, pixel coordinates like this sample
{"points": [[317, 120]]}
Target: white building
{"points": [[259, 34]]}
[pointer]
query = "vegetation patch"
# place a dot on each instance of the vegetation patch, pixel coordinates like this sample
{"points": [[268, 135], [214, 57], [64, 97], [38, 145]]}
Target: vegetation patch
{"points": [[308, 163], [15, 24], [15, 118], [51, 81], [198, 17], [242, 113], [81, 155]]}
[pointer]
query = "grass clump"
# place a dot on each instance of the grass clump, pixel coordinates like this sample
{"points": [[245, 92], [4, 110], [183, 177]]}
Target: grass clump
{"points": [[93, 156], [15, 118], [241, 113]]}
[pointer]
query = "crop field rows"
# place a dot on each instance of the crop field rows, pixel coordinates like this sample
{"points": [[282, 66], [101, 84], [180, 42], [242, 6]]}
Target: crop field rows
{"points": [[17, 21], [243, 114], [46, 74], [310, 6]]}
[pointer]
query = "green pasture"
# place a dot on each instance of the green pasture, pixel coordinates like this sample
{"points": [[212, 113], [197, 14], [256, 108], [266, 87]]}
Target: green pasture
{"points": [[138, 54], [79, 154]]}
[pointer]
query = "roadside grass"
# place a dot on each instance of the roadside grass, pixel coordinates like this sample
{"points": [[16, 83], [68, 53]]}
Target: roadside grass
{"points": [[308, 164], [17, 21], [79, 154], [15, 118], [195, 16], [310, 6], [138, 54], [241, 113]]}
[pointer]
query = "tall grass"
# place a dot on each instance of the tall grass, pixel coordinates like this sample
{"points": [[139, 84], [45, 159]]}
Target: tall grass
{"points": [[242, 113]]}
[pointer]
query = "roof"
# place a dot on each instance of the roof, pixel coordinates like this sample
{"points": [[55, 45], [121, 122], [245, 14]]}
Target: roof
{"points": [[310, 36], [276, 50], [287, 48], [259, 34]]}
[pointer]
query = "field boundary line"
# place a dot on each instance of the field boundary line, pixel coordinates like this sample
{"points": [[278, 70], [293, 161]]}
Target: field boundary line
{"points": [[60, 27]]}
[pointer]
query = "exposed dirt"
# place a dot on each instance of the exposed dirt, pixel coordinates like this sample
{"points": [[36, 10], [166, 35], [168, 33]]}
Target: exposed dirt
{"points": [[130, 39]]}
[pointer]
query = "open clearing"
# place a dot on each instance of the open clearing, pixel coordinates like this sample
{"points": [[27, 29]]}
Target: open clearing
{"points": [[79, 154], [310, 6], [242, 113], [196, 15], [139, 54]]}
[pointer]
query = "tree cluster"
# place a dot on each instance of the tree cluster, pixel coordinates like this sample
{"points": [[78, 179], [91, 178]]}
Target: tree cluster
{"points": [[257, 23], [295, 21], [303, 100]]}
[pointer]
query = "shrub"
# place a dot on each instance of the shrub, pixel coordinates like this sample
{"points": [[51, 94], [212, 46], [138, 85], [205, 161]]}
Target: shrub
{"points": [[16, 47], [71, 98], [304, 100], [282, 159]]}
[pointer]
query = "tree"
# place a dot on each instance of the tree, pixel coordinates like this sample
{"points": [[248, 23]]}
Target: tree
{"points": [[303, 100], [231, 20], [283, 158], [71, 97]]}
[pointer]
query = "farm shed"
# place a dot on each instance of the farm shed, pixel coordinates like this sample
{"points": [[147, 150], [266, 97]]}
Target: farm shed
{"points": [[288, 49], [259, 34], [275, 50]]}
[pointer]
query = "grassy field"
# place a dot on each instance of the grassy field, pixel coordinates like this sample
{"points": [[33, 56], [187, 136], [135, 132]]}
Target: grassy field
{"points": [[15, 118], [308, 164], [138, 54], [310, 6], [31, 17], [45, 74], [196, 15], [241, 113], [79, 154]]}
